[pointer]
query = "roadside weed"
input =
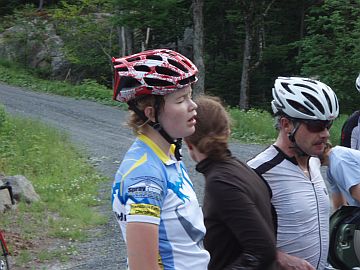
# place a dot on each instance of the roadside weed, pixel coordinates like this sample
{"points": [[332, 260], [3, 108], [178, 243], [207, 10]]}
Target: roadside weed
{"points": [[66, 183]]}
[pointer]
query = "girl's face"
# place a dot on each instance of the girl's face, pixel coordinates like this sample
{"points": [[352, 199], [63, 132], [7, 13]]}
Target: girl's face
{"points": [[178, 114]]}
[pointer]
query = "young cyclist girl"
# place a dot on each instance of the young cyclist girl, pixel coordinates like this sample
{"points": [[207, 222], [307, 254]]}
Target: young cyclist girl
{"points": [[152, 196]]}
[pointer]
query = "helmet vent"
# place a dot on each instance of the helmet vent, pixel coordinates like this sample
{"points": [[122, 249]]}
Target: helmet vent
{"points": [[305, 86], [178, 65], [142, 68], [133, 59], [157, 82], [128, 82], [286, 87], [154, 57], [166, 71], [189, 80], [300, 107], [314, 102], [337, 104], [123, 68], [328, 101]]}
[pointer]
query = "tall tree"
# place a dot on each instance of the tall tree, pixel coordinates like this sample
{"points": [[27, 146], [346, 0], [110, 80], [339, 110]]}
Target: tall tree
{"points": [[253, 13], [199, 45]]}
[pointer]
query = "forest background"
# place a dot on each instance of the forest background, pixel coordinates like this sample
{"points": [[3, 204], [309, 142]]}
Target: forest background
{"points": [[240, 47]]}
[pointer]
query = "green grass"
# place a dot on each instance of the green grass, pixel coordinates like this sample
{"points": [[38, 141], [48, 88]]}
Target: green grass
{"points": [[252, 126], [66, 183]]}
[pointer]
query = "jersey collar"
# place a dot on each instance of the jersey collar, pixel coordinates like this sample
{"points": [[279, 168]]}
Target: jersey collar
{"points": [[285, 156], [156, 149]]}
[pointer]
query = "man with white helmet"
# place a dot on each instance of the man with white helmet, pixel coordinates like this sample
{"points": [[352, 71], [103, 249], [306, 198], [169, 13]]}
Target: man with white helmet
{"points": [[304, 111], [350, 132]]}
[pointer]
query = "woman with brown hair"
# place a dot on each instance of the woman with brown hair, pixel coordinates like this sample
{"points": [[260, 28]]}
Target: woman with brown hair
{"points": [[240, 230]]}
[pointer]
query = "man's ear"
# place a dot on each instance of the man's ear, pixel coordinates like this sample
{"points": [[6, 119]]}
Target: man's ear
{"points": [[286, 124], [149, 112]]}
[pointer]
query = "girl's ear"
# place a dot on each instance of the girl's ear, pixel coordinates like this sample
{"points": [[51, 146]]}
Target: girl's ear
{"points": [[150, 113]]}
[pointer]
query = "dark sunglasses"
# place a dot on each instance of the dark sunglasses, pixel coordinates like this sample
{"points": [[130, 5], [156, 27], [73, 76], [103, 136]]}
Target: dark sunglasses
{"points": [[317, 125]]}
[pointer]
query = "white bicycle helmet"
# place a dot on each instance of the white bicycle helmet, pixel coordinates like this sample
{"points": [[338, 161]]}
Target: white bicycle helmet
{"points": [[304, 98], [357, 83]]}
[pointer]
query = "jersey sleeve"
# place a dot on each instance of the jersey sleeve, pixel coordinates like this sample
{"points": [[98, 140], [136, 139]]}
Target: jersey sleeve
{"points": [[142, 192]]}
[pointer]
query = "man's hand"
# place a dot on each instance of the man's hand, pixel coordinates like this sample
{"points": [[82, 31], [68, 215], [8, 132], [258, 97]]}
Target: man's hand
{"points": [[288, 262]]}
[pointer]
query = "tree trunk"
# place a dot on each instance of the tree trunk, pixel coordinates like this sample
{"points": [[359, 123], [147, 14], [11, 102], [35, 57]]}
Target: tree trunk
{"points": [[123, 41], [147, 38], [41, 4], [254, 14], [244, 86], [129, 40], [198, 46]]}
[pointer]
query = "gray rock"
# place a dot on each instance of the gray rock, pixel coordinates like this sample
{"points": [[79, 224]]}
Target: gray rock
{"points": [[35, 44], [22, 188]]}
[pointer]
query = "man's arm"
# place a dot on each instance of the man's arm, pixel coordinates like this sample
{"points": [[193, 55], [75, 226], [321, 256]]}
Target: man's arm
{"points": [[338, 200], [355, 192], [288, 262], [142, 241]]}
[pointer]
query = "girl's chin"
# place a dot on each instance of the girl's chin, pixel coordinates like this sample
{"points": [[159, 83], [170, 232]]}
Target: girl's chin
{"points": [[189, 131]]}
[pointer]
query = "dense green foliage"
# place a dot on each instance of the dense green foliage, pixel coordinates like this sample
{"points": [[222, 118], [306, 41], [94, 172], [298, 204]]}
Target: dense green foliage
{"points": [[331, 50], [88, 36], [306, 38]]}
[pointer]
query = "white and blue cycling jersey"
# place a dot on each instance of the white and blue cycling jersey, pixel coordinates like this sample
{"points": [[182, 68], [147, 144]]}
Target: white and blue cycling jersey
{"points": [[153, 188]]}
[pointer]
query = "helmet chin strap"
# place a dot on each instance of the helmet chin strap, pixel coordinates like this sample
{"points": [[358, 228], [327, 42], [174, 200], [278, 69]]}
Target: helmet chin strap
{"points": [[178, 142], [296, 147], [156, 126]]}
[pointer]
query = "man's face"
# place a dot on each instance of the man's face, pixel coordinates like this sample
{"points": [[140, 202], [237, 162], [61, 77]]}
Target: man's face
{"points": [[312, 135]]}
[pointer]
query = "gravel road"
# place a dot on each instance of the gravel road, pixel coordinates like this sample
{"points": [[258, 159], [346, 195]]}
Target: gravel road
{"points": [[99, 131]]}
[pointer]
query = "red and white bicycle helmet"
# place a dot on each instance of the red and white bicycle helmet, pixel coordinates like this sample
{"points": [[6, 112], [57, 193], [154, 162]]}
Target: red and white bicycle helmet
{"points": [[153, 72], [357, 82], [304, 98]]}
